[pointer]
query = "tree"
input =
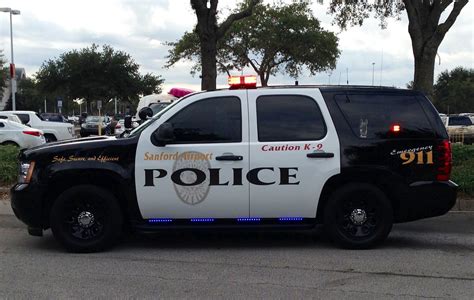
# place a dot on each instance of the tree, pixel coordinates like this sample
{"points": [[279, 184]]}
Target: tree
{"points": [[3, 73], [209, 33], [273, 39], [96, 75], [454, 91], [28, 97], [426, 31]]}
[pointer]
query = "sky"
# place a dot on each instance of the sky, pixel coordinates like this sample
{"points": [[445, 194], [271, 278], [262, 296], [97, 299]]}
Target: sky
{"points": [[47, 28]]}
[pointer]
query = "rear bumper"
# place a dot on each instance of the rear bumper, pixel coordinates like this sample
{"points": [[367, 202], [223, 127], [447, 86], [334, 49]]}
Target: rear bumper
{"points": [[426, 199], [27, 206]]}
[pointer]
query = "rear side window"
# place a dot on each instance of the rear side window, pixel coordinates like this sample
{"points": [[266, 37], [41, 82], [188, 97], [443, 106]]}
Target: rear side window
{"points": [[25, 118], [214, 120], [374, 115], [459, 121], [289, 118]]}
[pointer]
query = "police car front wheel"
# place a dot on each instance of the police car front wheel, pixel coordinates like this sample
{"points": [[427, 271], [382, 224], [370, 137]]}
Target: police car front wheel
{"points": [[86, 218], [358, 216]]}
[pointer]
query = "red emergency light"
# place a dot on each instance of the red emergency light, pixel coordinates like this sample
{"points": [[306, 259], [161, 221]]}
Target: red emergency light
{"points": [[242, 82], [395, 128]]}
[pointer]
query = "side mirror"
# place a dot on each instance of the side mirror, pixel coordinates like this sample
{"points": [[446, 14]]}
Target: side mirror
{"points": [[127, 122], [145, 113], [163, 135]]}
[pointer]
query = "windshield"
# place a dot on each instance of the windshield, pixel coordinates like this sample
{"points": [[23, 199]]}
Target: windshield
{"points": [[460, 121], [139, 129], [157, 107]]}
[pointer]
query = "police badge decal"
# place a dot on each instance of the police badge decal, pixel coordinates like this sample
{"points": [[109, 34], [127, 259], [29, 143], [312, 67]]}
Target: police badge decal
{"points": [[191, 193]]}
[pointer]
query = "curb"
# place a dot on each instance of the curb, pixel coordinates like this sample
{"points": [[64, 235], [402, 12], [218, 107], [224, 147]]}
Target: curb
{"points": [[464, 204]]}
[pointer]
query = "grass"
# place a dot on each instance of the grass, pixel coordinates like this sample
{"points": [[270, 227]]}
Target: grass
{"points": [[8, 164], [463, 168], [462, 173]]}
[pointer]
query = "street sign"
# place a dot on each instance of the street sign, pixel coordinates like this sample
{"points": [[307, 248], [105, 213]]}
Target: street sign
{"points": [[60, 103], [99, 104]]}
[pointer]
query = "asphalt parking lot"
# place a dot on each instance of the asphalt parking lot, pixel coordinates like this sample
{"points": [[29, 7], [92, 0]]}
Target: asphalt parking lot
{"points": [[431, 258]]}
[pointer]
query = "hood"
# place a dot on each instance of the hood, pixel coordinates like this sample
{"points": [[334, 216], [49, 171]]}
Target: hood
{"points": [[82, 145]]}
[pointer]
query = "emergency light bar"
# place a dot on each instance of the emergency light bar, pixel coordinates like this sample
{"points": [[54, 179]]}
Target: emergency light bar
{"points": [[242, 82]]}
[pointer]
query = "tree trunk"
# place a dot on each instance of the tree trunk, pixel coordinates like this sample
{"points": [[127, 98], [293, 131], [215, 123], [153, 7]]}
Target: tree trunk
{"points": [[424, 70], [209, 72], [263, 78]]}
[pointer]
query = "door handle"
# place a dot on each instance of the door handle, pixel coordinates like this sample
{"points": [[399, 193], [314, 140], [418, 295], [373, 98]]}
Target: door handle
{"points": [[320, 155], [229, 157]]}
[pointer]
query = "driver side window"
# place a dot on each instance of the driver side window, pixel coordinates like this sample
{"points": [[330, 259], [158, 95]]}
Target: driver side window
{"points": [[213, 120]]}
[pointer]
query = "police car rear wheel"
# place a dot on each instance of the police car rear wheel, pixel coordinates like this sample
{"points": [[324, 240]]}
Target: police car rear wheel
{"points": [[358, 216], [86, 218]]}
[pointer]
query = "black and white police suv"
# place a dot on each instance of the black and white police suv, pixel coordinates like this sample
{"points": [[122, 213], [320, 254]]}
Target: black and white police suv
{"points": [[356, 159]]}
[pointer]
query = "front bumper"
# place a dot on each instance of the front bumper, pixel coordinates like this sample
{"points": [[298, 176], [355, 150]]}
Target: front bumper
{"points": [[426, 199], [27, 206]]}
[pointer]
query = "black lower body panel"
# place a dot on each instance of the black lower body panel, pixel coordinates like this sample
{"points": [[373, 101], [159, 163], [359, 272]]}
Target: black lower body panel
{"points": [[425, 200]]}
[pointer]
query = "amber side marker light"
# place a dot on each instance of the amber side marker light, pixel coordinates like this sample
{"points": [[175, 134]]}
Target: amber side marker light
{"points": [[242, 82]]}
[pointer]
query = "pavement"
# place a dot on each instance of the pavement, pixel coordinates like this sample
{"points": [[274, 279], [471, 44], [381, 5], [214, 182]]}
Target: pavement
{"points": [[432, 258]]}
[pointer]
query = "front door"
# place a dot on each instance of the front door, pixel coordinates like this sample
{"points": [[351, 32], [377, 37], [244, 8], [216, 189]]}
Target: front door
{"points": [[200, 174], [294, 150]]}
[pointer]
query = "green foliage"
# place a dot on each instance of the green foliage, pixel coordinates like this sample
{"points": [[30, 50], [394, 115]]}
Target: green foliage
{"points": [[454, 91], [275, 38], [96, 75], [463, 168], [8, 164], [353, 13]]}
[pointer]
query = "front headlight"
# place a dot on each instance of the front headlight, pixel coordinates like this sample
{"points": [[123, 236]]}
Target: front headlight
{"points": [[26, 171], [83, 125]]}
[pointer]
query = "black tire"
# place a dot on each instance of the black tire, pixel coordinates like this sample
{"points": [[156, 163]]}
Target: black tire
{"points": [[358, 216], [50, 138], [9, 143], [86, 218]]}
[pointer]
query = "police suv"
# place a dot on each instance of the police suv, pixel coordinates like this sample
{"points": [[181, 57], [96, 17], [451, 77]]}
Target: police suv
{"points": [[356, 159]]}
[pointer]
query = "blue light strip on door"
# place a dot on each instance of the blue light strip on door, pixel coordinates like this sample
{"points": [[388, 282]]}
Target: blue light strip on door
{"points": [[248, 219], [205, 220], [290, 219], [160, 220]]}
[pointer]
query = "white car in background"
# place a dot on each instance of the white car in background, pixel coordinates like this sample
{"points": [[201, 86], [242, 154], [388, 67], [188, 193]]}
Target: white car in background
{"points": [[11, 117], [13, 133], [53, 131]]}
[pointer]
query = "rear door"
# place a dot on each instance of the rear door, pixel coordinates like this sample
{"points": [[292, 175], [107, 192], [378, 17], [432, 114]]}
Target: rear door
{"points": [[294, 150]]}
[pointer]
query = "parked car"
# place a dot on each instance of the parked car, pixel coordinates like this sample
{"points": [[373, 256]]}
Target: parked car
{"points": [[91, 125], [11, 117], [54, 117], [470, 115], [120, 127], [17, 134], [53, 131], [461, 129]]}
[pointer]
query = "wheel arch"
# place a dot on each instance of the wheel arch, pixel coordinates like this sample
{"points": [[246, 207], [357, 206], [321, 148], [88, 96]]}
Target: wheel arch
{"points": [[385, 180], [110, 180]]}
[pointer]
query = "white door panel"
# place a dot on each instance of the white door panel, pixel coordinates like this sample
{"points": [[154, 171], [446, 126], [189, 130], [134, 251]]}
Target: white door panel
{"points": [[186, 180], [296, 181]]}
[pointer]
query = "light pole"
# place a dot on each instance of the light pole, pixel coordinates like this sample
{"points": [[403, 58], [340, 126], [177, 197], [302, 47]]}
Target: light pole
{"points": [[373, 72], [12, 65]]}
